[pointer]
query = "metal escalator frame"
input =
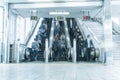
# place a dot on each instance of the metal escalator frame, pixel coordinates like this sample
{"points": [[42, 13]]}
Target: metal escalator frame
{"points": [[96, 41], [115, 28], [98, 47], [51, 38], [69, 46], [67, 34], [50, 42], [27, 39]]}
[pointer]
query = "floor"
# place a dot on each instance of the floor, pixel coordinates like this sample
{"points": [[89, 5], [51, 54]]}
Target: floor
{"points": [[59, 71]]}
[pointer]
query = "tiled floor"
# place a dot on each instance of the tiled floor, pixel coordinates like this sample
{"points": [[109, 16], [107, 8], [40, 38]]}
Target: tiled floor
{"points": [[59, 71]]}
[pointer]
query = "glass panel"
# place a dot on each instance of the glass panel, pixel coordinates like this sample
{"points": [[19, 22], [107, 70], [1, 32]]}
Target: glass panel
{"points": [[21, 25], [1, 22], [1, 26], [28, 26]]}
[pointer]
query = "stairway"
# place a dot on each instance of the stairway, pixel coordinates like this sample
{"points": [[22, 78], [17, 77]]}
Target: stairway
{"points": [[116, 47], [48, 22], [98, 31], [96, 28]]}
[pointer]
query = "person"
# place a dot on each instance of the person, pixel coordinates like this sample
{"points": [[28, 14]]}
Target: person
{"points": [[77, 32], [55, 48], [35, 48], [88, 46], [62, 37], [57, 29], [80, 43], [72, 35], [62, 46]]}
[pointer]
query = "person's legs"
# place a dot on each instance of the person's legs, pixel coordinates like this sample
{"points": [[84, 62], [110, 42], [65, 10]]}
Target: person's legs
{"points": [[58, 55], [36, 54], [89, 52], [32, 54], [86, 54]]}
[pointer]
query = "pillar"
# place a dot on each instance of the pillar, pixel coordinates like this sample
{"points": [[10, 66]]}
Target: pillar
{"points": [[46, 51], [1, 38], [6, 35], [107, 24], [74, 51]]}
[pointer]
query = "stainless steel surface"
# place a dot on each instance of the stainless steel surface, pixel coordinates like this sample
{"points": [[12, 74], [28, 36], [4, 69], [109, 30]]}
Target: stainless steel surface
{"points": [[107, 24]]}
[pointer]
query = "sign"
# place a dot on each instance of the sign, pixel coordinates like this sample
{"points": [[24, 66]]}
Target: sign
{"points": [[60, 18], [33, 17]]}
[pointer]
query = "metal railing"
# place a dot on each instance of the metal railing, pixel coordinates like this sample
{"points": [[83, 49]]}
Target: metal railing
{"points": [[116, 28], [50, 42], [51, 38], [31, 32], [67, 34], [85, 30]]}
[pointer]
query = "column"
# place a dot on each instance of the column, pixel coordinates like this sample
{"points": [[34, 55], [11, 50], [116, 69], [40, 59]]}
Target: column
{"points": [[15, 36], [46, 51], [74, 51], [5, 35], [107, 23]]}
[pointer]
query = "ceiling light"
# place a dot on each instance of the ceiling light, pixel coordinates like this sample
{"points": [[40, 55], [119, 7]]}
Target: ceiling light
{"points": [[59, 13]]}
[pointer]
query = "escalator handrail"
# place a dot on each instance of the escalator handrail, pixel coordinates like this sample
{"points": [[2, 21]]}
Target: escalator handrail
{"points": [[31, 33], [67, 34], [51, 38], [116, 27], [91, 33], [97, 47]]}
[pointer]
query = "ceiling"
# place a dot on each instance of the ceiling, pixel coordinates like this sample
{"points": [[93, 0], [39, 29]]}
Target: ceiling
{"points": [[43, 9], [44, 12], [74, 8]]}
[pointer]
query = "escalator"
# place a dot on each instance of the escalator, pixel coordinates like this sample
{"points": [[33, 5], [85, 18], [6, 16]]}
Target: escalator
{"points": [[61, 38], [75, 33], [71, 28], [32, 33], [48, 22], [116, 42], [95, 30], [43, 32], [59, 54]]}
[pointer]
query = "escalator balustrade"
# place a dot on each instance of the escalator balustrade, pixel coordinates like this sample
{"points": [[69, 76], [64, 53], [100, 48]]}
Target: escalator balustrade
{"points": [[38, 54], [59, 47]]}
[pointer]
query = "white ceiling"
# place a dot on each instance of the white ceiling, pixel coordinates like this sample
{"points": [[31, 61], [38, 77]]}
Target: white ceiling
{"points": [[75, 9], [43, 9], [44, 12]]}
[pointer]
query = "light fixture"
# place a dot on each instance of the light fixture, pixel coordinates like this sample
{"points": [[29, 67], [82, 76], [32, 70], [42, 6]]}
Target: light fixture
{"points": [[59, 13]]}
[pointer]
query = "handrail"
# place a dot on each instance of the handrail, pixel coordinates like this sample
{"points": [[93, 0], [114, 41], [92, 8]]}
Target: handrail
{"points": [[67, 34], [88, 31], [92, 34], [98, 12], [95, 40], [115, 27], [81, 29], [30, 33], [51, 38]]}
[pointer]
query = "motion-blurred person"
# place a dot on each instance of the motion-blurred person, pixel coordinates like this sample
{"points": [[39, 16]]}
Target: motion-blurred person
{"points": [[35, 48], [88, 46]]}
